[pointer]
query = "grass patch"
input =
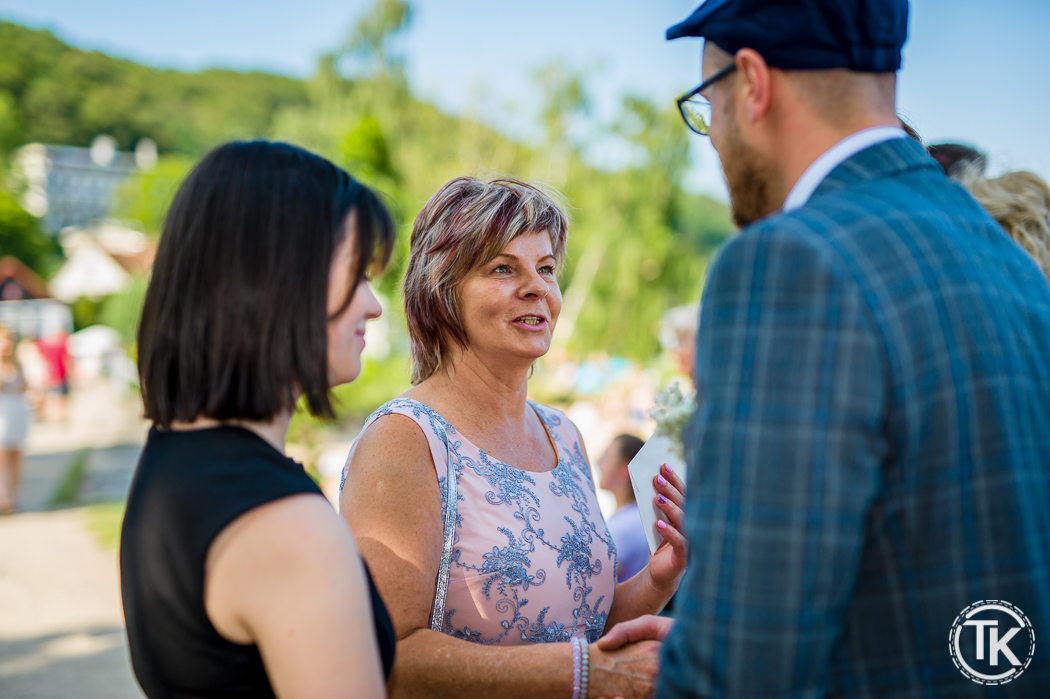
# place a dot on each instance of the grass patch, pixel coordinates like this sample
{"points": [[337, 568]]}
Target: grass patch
{"points": [[104, 522], [67, 492]]}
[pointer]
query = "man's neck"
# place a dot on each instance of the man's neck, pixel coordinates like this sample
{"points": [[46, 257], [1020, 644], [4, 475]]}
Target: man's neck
{"points": [[811, 141]]}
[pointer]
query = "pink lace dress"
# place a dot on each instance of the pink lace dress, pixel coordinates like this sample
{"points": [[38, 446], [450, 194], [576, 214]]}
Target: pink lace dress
{"points": [[527, 557]]}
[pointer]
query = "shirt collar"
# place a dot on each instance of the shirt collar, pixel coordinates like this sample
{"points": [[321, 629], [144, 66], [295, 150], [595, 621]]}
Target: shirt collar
{"points": [[835, 156]]}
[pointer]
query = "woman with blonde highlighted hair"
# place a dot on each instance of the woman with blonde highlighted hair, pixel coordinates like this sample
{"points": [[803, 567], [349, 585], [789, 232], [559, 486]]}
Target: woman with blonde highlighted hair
{"points": [[475, 507], [1020, 202]]}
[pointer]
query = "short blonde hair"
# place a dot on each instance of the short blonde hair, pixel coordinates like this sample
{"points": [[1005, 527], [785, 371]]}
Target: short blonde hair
{"points": [[464, 225], [1020, 202]]}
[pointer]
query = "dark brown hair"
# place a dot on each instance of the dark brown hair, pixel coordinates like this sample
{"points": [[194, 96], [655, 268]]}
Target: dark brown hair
{"points": [[955, 157], [235, 320], [628, 446]]}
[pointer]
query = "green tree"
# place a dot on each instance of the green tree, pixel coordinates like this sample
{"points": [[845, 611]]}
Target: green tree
{"points": [[11, 128], [145, 198], [123, 310], [371, 37], [22, 237], [63, 95], [639, 242]]}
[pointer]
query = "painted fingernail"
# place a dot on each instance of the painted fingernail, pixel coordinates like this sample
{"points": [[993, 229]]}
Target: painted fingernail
{"points": [[661, 480], [663, 500], [667, 467], [660, 524]]}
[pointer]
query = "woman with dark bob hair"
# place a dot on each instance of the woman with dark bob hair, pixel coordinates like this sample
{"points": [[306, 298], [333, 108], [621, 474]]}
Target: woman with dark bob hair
{"points": [[238, 577], [476, 507]]}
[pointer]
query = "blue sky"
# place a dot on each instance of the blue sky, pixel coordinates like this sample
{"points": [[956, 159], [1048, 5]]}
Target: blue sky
{"points": [[973, 71]]}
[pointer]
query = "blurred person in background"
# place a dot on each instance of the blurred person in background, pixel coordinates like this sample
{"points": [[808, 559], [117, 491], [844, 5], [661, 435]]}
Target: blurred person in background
{"points": [[237, 576], [14, 422], [632, 550], [54, 348], [1020, 202], [869, 459], [955, 158], [475, 507], [34, 366], [678, 335]]}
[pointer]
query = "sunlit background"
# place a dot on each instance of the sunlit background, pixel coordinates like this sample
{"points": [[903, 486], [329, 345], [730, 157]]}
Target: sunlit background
{"points": [[973, 71], [105, 105]]}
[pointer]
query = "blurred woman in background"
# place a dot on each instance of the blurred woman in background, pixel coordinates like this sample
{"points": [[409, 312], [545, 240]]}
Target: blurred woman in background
{"points": [[238, 577], [1020, 202], [14, 422]]}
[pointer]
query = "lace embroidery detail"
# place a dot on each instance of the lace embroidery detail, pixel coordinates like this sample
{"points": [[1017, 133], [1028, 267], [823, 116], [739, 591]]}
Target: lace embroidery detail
{"points": [[489, 571]]}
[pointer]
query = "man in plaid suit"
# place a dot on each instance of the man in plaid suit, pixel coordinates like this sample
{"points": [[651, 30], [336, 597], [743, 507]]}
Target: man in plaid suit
{"points": [[871, 453]]}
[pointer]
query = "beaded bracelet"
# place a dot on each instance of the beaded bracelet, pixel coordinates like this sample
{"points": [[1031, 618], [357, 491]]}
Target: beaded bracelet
{"points": [[586, 671], [576, 667]]}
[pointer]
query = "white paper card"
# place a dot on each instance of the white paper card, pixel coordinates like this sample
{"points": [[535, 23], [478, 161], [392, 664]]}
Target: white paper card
{"points": [[645, 466]]}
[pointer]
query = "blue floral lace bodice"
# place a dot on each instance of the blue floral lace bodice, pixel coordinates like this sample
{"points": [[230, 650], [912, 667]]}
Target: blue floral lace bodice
{"points": [[527, 557]]}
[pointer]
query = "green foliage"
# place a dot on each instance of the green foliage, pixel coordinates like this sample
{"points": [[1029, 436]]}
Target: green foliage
{"points": [[59, 94], [85, 312], [564, 99], [380, 380], [638, 245], [372, 34], [365, 151], [22, 237], [67, 492], [122, 311], [11, 128], [104, 521], [145, 198]]}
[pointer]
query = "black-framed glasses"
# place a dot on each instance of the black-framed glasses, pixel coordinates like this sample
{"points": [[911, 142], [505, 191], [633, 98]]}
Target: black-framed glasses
{"points": [[694, 107]]}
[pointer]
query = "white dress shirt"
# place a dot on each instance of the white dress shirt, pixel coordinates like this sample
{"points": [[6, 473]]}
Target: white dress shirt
{"points": [[835, 156]]}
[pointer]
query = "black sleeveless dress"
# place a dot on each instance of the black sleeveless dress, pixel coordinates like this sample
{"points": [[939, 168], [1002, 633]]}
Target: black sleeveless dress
{"points": [[188, 486]]}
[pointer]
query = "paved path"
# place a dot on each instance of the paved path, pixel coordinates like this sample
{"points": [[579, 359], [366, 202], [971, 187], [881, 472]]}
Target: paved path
{"points": [[61, 625], [104, 419]]}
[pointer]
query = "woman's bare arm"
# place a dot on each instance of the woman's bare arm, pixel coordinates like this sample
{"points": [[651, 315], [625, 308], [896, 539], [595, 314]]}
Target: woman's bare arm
{"points": [[432, 664], [392, 501], [287, 576]]}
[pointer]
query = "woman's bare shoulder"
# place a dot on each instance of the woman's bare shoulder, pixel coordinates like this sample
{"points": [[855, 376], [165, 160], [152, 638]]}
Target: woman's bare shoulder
{"points": [[392, 434], [393, 458]]}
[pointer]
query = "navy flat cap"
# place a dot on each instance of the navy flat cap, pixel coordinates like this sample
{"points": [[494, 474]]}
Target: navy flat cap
{"points": [[862, 35]]}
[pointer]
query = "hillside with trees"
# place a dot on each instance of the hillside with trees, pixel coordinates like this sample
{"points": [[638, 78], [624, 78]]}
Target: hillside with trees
{"points": [[639, 242], [51, 92]]}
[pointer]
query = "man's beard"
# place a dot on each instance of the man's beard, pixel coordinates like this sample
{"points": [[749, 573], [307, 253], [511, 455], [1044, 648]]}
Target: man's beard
{"points": [[749, 177]]}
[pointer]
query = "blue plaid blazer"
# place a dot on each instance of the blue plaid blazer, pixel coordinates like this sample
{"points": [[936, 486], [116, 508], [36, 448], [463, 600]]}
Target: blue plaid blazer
{"points": [[871, 453]]}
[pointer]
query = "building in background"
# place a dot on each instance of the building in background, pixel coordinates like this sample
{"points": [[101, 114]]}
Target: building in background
{"points": [[101, 259], [71, 186]]}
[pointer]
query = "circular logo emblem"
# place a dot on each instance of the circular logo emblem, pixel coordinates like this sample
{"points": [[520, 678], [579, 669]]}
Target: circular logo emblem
{"points": [[992, 642]]}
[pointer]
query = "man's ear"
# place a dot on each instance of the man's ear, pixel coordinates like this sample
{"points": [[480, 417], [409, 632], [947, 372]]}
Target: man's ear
{"points": [[754, 86]]}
